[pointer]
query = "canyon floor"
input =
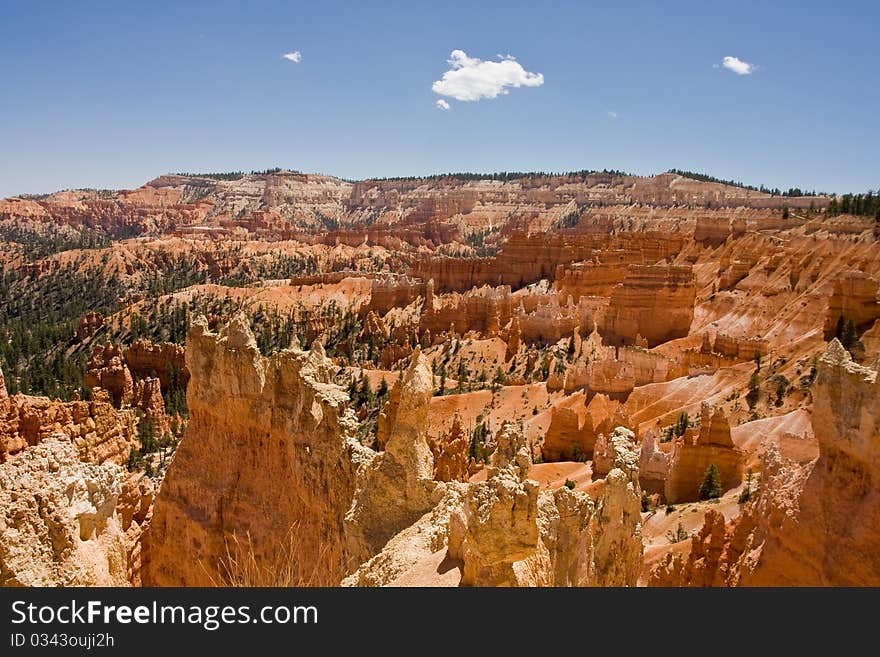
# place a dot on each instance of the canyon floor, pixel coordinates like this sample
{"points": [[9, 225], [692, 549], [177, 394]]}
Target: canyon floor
{"points": [[588, 379]]}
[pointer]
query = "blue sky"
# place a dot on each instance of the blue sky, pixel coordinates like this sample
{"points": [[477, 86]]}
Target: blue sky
{"points": [[113, 94]]}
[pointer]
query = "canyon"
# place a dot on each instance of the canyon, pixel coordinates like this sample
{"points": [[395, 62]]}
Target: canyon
{"points": [[586, 379]]}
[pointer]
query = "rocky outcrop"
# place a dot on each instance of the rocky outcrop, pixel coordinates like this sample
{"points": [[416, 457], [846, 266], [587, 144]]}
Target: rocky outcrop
{"points": [[162, 360], [136, 376], [58, 519], [597, 276], [98, 432], [107, 369], [707, 562], [529, 257], [691, 457], [507, 533], [606, 447], [854, 299], [397, 486], [485, 309], [88, 325], [654, 301], [730, 554], [268, 451], [389, 291], [134, 510], [497, 526], [653, 463], [813, 523], [451, 454], [570, 436], [830, 537], [549, 321], [732, 271], [737, 348]]}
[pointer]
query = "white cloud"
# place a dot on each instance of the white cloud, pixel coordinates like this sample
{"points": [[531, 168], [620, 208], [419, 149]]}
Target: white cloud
{"points": [[442, 104], [737, 65], [611, 114], [294, 56], [469, 78]]}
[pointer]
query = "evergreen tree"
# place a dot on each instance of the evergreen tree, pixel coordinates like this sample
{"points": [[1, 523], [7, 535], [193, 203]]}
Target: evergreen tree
{"points": [[711, 486]]}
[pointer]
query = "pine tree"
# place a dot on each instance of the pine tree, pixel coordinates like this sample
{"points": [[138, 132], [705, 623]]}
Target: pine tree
{"points": [[682, 424], [711, 486]]}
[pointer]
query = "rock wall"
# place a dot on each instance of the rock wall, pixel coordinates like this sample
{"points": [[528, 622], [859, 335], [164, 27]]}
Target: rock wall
{"points": [[527, 258], [831, 537], [653, 463], [108, 376], [595, 277], [854, 298], [163, 360], [450, 453], [739, 348], [655, 302], [570, 435], [389, 292], [691, 458], [485, 309]]}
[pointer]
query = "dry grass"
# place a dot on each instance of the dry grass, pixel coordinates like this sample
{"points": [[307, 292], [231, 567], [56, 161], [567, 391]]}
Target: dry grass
{"points": [[240, 567]]}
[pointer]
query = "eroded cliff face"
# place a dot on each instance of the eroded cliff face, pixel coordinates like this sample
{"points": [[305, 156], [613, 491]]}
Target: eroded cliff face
{"points": [[98, 431], [268, 451], [654, 302], [692, 455], [833, 538]]}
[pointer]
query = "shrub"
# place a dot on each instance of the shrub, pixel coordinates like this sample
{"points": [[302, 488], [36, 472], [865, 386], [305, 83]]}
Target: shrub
{"points": [[570, 484], [680, 534], [754, 393]]}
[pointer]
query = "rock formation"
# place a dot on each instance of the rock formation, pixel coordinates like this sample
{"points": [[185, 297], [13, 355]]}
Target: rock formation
{"points": [[268, 450], [451, 454], [570, 436], [497, 527], [691, 458], [99, 432], [397, 486], [854, 299], [653, 301], [506, 533], [812, 523], [653, 463], [106, 369], [163, 360], [58, 520]]}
